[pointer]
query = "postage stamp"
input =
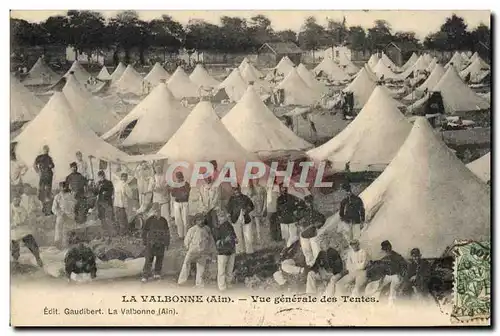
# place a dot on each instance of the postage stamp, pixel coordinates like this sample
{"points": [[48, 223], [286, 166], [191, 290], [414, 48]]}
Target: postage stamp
{"points": [[472, 298]]}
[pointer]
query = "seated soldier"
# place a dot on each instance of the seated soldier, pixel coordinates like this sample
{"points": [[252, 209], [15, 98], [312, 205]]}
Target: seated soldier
{"points": [[80, 260]]}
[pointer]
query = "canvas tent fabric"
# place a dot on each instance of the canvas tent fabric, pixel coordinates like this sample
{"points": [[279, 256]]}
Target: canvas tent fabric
{"points": [[162, 117], [296, 90], [257, 129], [457, 96], [465, 56], [92, 109], [310, 79], [381, 69], [156, 75], [477, 71], [130, 82], [24, 105], [474, 57], [482, 167], [457, 60], [118, 72], [425, 203], [234, 85], [371, 140], [160, 105], [181, 86], [362, 87], [208, 139], [432, 64], [249, 75], [388, 62], [409, 63], [104, 74], [370, 72], [285, 65], [202, 78], [373, 61], [79, 72], [41, 74], [246, 63], [331, 69], [59, 127], [429, 83]]}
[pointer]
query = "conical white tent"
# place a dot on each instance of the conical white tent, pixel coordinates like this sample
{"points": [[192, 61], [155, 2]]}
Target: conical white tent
{"points": [[89, 108], [465, 56], [432, 64], [118, 72], [80, 73], [331, 69], [373, 61], [425, 198], [41, 74], [130, 82], [474, 57], [370, 72], [181, 86], [457, 96], [156, 75], [371, 140], [347, 65], [420, 65], [244, 64], [457, 61], [427, 58], [429, 83], [24, 105], [256, 128], [388, 62], [234, 85], [477, 71], [160, 103], [201, 77], [212, 142], [482, 167], [59, 127], [381, 69], [362, 87], [104, 74], [311, 81], [296, 90], [410, 62], [249, 75], [161, 117], [285, 65]]}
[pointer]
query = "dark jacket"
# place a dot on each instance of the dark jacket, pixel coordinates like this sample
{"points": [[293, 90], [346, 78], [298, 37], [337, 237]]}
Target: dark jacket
{"points": [[421, 271], [289, 209], [156, 230], [330, 261], [181, 194], [394, 263], [295, 253], [44, 164], [237, 203], [225, 239], [80, 259], [352, 210], [105, 192], [77, 184]]}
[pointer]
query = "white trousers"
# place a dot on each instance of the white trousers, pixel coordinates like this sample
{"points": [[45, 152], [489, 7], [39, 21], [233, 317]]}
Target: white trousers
{"points": [[181, 217], [61, 228], [201, 262], [394, 281], [225, 267], [258, 229], [244, 235], [356, 278], [289, 233], [322, 276]]}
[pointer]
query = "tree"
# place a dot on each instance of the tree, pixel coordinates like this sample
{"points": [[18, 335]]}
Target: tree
{"points": [[285, 36], [260, 30], [235, 33], [85, 30], [312, 35], [379, 35], [357, 38], [457, 36], [407, 38], [26, 34], [201, 36], [337, 31], [56, 30], [482, 34], [167, 34], [437, 41], [130, 32]]}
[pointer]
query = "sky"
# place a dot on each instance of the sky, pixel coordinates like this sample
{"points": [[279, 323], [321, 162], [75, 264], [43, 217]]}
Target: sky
{"points": [[421, 22]]}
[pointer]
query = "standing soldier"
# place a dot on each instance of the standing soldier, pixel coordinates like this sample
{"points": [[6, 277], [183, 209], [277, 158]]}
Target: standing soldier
{"points": [[44, 167]]}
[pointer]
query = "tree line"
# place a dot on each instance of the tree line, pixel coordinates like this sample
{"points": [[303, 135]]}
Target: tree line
{"points": [[90, 32]]}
